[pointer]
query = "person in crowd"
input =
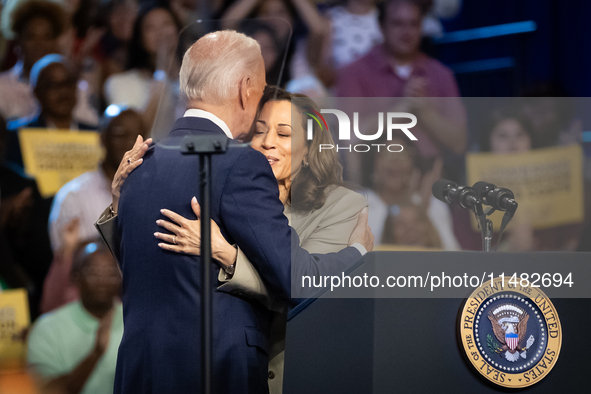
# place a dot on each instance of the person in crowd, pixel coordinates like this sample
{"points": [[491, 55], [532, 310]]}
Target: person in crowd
{"points": [[504, 131], [279, 13], [321, 209], [299, 28], [113, 48], [507, 131], [411, 227], [551, 113], [151, 52], [41, 28], [25, 251], [84, 197], [355, 30], [395, 182], [189, 11], [14, 204], [54, 83], [74, 348], [271, 48], [37, 26], [79, 202], [249, 196], [398, 68]]}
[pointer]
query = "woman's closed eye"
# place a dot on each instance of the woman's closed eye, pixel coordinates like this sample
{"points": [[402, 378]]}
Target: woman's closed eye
{"points": [[284, 131]]}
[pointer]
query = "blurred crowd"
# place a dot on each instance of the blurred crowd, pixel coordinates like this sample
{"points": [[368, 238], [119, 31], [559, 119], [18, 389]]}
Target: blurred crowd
{"points": [[111, 67]]}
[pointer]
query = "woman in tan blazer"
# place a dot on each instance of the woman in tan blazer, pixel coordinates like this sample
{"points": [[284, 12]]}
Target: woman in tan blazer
{"points": [[321, 209]]}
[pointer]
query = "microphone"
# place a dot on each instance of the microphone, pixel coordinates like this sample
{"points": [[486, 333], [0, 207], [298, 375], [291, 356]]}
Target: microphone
{"points": [[499, 198], [449, 192]]}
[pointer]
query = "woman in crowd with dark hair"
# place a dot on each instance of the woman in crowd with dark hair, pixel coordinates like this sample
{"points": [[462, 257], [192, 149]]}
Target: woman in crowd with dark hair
{"points": [[506, 131], [37, 26], [297, 23], [503, 131], [398, 187], [148, 63], [271, 48], [321, 209], [117, 18]]}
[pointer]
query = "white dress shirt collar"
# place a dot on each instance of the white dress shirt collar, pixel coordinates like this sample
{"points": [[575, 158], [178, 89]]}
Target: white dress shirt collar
{"points": [[199, 113]]}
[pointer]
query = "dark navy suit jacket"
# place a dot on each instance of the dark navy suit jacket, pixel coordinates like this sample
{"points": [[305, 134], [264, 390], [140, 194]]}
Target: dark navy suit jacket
{"points": [[160, 350]]}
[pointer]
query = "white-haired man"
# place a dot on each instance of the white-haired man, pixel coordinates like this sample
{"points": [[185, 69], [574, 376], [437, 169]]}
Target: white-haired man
{"points": [[223, 78]]}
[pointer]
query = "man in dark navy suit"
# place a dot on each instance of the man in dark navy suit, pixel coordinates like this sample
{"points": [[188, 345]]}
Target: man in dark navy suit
{"points": [[222, 77]]}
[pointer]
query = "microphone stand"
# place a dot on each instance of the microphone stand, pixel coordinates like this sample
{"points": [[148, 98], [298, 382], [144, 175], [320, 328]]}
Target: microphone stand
{"points": [[486, 226], [205, 146]]}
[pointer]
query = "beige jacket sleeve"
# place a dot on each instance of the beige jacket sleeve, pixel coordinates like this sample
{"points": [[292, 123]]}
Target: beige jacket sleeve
{"points": [[246, 282], [323, 231]]}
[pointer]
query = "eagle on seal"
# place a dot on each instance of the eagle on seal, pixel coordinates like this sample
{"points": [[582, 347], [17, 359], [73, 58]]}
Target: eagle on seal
{"points": [[509, 325]]}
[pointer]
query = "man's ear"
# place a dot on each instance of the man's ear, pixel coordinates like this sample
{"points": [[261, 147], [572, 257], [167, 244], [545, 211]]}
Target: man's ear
{"points": [[244, 91]]}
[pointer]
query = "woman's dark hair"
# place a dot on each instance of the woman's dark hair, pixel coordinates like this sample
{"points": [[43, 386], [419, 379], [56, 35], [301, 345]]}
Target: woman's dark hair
{"points": [[137, 56], [496, 117], [51, 12], [308, 187]]}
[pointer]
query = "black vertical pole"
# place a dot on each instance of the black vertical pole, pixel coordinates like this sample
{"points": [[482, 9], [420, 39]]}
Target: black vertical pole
{"points": [[206, 299], [205, 146]]}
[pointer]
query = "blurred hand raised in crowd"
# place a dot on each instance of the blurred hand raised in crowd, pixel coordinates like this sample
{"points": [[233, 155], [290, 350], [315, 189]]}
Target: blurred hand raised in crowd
{"points": [[71, 235], [422, 184], [131, 160], [92, 38], [362, 233], [103, 333]]}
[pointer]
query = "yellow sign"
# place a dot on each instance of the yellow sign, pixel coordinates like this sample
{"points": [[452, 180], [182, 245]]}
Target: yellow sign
{"points": [[510, 332], [14, 318], [55, 157], [547, 183]]}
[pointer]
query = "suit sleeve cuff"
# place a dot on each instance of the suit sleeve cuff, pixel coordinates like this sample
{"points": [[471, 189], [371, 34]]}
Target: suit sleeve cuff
{"points": [[360, 248]]}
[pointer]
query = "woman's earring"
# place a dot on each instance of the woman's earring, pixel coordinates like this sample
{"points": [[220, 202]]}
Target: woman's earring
{"points": [[304, 163]]}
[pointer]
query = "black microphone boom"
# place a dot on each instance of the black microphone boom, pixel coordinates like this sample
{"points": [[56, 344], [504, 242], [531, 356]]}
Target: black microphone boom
{"points": [[450, 193]]}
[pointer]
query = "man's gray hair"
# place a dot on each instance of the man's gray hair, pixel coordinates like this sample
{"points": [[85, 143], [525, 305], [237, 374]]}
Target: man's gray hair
{"points": [[214, 65]]}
